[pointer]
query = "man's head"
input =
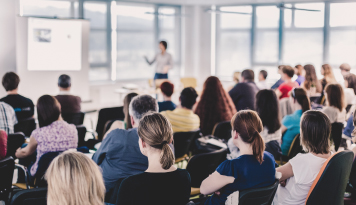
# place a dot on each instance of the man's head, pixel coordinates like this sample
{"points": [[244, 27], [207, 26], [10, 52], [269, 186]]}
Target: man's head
{"points": [[64, 82], [139, 106], [10, 81], [287, 72], [262, 76], [188, 97], [247, 75], [167, 89], [345, 69]]}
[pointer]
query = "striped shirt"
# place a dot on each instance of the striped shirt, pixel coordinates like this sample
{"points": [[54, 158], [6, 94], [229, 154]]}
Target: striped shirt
{"points": [[7, 118], [182, 120]]}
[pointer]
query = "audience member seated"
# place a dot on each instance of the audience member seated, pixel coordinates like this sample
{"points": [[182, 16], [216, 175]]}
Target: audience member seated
{"points": [[345, 69], [300, 172], [162, 183], [311, 84], [335, 106], [327, 71], [183, 118], [215, 105], [291, 123], [7, 118], [24, 107], [267, 107], [280, 81], [69, 103], [236, 79], [253, 169], [350, 88], [73, 178], [119, 155], [262, 83], [167, 89], [3, 144], [285, 88], [300, 72], [53, 135], [244, 94]]}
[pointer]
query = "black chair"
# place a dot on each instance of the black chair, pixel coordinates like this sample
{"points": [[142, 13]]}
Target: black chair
{"points": [[43, 164], [200, 166], [7, 167], [182, 142], [351, 185], [295, 148], [14, 141], [336, 134], [108, 114], [74, 118], [82, 130], [259, 196], [222, 130], [37, 196], [26, 126], [329, 186], [348, 107]]}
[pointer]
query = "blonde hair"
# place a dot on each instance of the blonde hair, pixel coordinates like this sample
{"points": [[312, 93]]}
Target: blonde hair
{"points": [[74, 179], [155, 130]]}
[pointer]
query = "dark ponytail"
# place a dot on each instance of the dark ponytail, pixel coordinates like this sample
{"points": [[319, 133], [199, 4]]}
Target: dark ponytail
{"points": [[248, 125], [300, 95]]}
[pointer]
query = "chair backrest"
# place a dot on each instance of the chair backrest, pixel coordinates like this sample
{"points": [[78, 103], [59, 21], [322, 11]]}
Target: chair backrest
{"points": [[43, 165], [36, 196], [82, 130], [189, 82], [200, 166], [106, 114], [336, 133], [295, 147], [14, 141], [259, 196], [330, 184], [7, 167], [74, 118], [352, 179], [182, 142], [26, 126], [222, 130]]}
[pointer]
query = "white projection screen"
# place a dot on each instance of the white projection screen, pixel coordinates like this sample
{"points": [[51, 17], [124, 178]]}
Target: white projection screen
{"points": [[54, 45]]}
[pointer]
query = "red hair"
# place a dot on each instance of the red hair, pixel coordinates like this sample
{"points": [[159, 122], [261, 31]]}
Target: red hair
{"points": [[215, 105]]}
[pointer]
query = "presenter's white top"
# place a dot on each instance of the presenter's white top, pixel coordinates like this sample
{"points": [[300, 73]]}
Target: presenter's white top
{"points": [[162, 60]]}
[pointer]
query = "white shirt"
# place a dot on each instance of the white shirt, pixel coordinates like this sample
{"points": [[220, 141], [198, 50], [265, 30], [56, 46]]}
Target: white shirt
{"points": [[263, 85], [349, 96], [277, 135], [161, 62], [334, 114], [306, 168]]}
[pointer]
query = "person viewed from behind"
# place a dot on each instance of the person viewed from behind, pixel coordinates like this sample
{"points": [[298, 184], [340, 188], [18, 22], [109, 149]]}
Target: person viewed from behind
{"points": [[350, 88], [285, 88], [311, 83], [167, 89], [164, 61], [300, 172], [244, 94], [24, 107], [267, 107], [183, 118], [53, 135], [73, 178], [119, 155], [291, 123], [280, 81], [345, 69], [253, 169], [162, 183], [215, 105], [335, 103], [262, 83], [69, 103], [300, 72], [7, 118], [327, 71]]}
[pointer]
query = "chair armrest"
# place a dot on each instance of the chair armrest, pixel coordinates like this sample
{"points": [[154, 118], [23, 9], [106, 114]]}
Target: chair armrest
{"points": [[24, 169]]}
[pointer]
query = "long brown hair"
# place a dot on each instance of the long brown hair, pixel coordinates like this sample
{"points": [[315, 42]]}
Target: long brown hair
{"points": [[248, 125], [310, 78], [127, 101], [300, 95], [155, 130], [215, 105], [328, 74], [351, 81], [335, 96]]}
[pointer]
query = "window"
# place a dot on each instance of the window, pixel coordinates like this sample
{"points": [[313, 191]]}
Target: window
{"points": [[60, 9], [309, 19], [342, 14]]}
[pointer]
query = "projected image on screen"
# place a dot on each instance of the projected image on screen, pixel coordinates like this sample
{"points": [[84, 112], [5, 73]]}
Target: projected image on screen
{"points": [[54, 44]]}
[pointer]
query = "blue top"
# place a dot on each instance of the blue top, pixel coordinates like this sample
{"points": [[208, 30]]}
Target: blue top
{"points": [[349, 126], [119, 156], [248, 173], [166, 105], [300, 79], [292, 123], [277, 84]]}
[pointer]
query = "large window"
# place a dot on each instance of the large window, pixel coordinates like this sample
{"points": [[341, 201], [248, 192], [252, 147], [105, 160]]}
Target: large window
{"points": [[60, 9]]}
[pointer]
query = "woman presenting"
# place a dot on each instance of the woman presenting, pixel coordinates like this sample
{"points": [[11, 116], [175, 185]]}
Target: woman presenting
{"points": [[164, 62]]}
